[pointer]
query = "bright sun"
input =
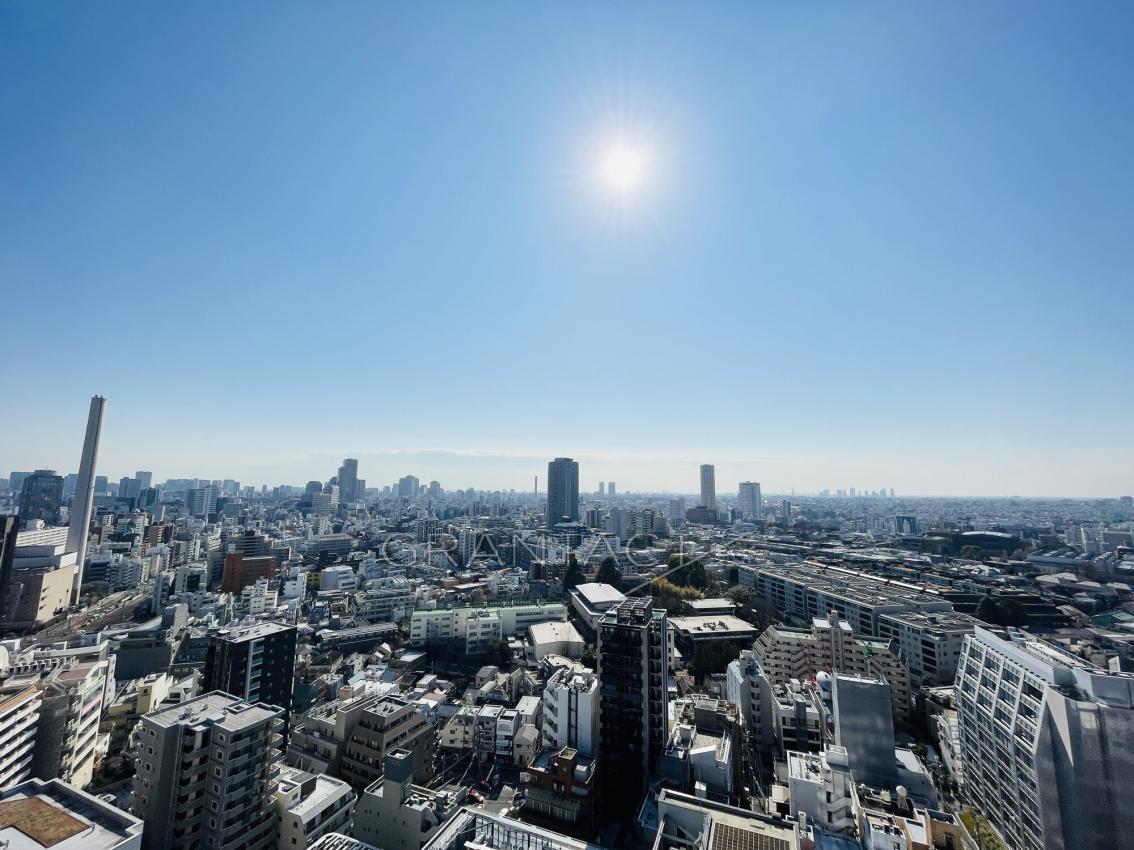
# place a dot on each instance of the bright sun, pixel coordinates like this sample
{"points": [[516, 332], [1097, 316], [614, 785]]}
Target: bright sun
{"points": [[623, 168]]}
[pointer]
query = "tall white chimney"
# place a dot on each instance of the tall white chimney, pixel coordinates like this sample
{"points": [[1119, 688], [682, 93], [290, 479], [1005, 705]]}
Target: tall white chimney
{"points": [[83, 500]]}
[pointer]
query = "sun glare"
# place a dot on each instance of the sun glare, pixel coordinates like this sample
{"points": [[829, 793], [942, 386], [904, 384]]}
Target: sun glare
{"points": [[623, 168]]}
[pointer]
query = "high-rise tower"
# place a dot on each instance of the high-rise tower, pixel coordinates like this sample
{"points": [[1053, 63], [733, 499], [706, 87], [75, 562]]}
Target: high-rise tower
{"points": [[749, 501], [84, 494], [633, 662], [562, 491], [348, 480], [708, 486]]}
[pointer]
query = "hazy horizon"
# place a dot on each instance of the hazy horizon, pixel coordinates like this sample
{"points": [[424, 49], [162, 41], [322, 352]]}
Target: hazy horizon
{"points": [[504, 469]]}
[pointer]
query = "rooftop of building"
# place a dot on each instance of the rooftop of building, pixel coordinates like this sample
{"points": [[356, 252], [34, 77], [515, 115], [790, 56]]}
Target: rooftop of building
{"points": [[504, 603], [711, 624], [36, 814], [554, 632], [711, 604], [724, 827], [950, 621], [636, 610], [213, 709], [597, 593], [326, 789], [492, 832], [253, 631]]}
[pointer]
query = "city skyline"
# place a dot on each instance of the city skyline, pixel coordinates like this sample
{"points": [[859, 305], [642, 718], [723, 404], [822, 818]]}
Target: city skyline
{"points": [[871, 247], [514, 471]]}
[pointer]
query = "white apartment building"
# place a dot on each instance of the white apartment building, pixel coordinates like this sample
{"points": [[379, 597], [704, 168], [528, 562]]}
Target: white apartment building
{"points": [[338, 577], [820, 785], [930, 642], [460, 732], [1047, 741], [830, 645], [19, 723], [387, 600], [258, 598], [475, 626], [507, 725], [749, 689], [570, 711], [310, 806], [75, 684]]}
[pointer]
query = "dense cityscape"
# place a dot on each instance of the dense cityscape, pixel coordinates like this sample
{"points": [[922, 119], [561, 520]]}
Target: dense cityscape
{"points": [[350, 664], [566, 426]]}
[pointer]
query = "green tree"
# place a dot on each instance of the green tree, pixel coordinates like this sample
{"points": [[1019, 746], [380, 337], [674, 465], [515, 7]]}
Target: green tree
{"points": [[503, 655], [575, 575], [671, 596], [988, 610], [754, 608], [711, 657], [689, 572], [608, 572]]}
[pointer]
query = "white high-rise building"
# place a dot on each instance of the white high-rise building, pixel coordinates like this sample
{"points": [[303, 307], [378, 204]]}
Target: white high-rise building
{"points": [[749, 500], [1047, 741], [708, 486], [570, 710]]}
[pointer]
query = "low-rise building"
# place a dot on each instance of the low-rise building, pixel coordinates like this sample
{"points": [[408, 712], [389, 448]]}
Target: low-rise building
{"points": [[560, 788], [820, 785], [705, 752], [311, 806], [459, 733], [480, 628], [589, 601], [694, 631], [383, 726], [396, 814], [677, 819], [39, 814], [555, 639], [139, 697]]}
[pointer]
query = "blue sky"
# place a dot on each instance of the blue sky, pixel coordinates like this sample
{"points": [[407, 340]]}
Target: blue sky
{"points": [[875, 244]]}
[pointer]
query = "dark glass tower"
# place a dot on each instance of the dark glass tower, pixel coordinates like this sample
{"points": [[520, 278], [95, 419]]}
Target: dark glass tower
{"points": [[562, 491], [633, 662], [42, 497]]}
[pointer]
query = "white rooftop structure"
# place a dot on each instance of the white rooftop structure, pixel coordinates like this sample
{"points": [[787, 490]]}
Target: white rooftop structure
{"points": [[35, 815], [598, 594]]}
